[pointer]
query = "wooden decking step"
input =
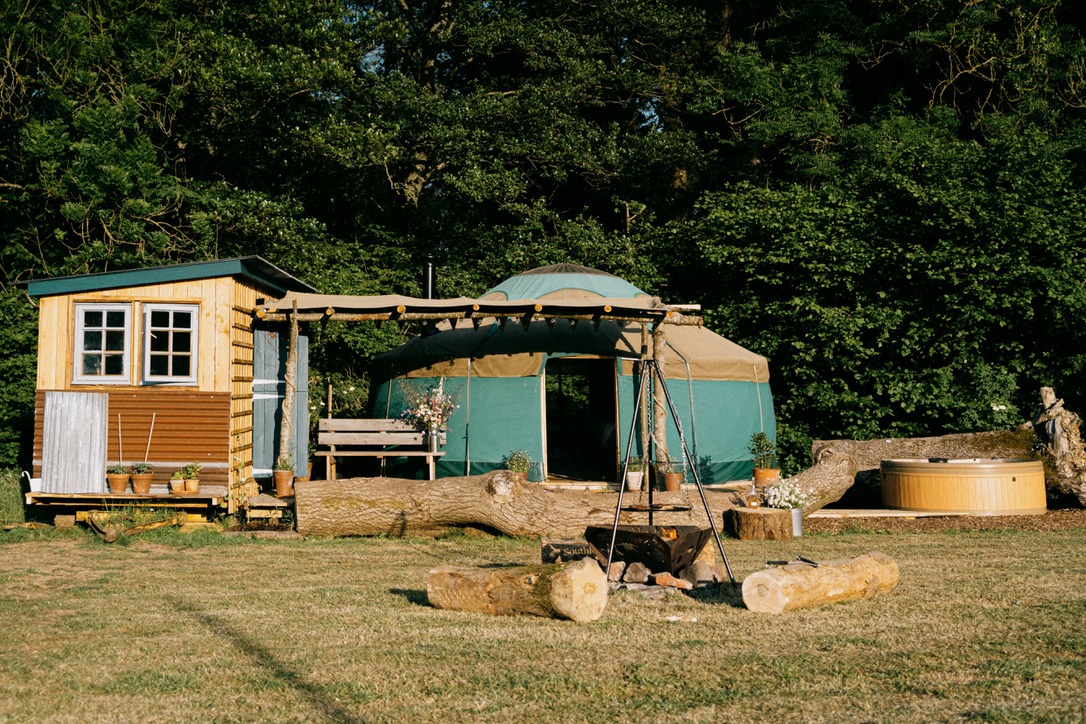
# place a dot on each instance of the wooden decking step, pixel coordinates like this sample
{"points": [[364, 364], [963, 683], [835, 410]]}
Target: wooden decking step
{"points": [[263, 500], [881, 513]]}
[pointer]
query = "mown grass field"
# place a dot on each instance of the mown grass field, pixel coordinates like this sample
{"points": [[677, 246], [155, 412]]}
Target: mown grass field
{"points": [[984, 625]]}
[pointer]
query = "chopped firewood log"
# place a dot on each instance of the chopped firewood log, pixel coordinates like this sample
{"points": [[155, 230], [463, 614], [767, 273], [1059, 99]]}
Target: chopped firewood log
{"points": [[577, 591], [800, 584]]}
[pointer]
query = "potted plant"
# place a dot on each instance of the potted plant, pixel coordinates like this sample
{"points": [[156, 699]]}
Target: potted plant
{"points": [[764, 454], [635, 474], [787, 494], [284, 476], [519, 462], [117, 475], [186, 479], [142, 473], [666, 472]]}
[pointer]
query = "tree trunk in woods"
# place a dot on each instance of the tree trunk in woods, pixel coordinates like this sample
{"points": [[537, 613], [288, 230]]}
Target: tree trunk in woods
{"points": [[497, 500], [799, 585], [577, 591]]}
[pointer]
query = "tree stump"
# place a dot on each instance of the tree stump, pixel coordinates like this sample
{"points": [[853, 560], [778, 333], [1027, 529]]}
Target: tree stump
{"points": [[759, 523], [799, 585], [577, 591]]}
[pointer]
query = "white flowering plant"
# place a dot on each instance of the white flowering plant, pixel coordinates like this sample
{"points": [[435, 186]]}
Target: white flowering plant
{"points": [[785, 494], [431, 409]]}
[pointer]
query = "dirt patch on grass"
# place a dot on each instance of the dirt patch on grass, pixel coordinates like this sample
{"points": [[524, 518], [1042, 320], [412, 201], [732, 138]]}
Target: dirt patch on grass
{"points": [[1063, 519]]}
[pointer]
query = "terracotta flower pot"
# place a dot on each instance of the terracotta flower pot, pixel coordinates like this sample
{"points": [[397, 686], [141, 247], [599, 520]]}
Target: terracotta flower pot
{"points": [[284, 483], [192, 485], [673, 481], [766, 476], [141, 483], [118, 482]]}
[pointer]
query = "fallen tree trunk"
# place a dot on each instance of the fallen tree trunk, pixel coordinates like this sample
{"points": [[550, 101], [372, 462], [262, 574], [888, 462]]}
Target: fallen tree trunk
{"points": [[497, 500], [577, 591], [1065, 458], [800, 585]]}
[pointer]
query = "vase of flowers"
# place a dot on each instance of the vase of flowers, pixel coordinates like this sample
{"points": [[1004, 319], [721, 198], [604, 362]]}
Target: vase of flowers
{"points": [[786, 494], [429, 411]]}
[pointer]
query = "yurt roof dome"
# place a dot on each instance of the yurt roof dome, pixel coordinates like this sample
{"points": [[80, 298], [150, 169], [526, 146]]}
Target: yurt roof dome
{"points": [[563, 281]]}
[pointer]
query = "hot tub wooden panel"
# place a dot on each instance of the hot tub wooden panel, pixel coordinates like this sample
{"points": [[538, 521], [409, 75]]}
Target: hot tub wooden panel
{"points": [[973, 487]]}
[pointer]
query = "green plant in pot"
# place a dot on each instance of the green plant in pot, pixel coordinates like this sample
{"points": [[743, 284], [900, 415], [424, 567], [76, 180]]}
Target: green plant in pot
{"points": [[142, 474], [284, 476], [764, 454], [668, 475], [519, 462], [187, 479], [117, 476], [635, 474]]}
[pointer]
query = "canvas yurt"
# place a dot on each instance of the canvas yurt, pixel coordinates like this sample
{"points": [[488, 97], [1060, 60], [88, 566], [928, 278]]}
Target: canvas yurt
{"points": [[564, 390]]}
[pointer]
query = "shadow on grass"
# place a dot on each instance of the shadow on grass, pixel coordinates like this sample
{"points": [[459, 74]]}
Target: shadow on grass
{"points": [[315, 695], [412, 595], [726, 594]]}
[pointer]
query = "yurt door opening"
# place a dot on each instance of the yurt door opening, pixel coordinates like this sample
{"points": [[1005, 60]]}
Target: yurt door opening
{"points": [[581, 415]]}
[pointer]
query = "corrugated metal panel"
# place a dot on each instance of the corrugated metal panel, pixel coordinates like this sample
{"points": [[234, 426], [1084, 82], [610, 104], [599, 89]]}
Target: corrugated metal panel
{"points": [[74, 442], [189, 426]]}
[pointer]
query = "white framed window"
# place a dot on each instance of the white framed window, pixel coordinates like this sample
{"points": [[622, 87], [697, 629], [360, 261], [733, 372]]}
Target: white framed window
{"points": [[103, 338], [170, 343]]}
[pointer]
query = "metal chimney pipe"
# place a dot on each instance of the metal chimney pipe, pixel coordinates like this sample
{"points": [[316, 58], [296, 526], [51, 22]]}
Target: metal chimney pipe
{"points": [[429, 277]]}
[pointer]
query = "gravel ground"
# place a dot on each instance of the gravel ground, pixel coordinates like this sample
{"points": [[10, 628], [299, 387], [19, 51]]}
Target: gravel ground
{"points": [[1060, 519]]}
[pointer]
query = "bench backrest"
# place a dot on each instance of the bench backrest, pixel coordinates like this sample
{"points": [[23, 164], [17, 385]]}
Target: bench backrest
{"points": [[376, 431]]}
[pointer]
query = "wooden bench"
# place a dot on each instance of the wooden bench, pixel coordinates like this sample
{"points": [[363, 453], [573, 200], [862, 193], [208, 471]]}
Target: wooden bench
{"points": [[379, 438]]}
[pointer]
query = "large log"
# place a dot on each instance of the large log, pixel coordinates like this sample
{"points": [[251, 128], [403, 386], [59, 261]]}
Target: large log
{"points": [[577, 591], [800, 585], [497, 500]]}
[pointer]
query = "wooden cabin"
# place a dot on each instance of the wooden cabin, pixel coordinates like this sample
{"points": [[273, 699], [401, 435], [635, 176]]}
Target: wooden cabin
{"points": [[166, 365]]}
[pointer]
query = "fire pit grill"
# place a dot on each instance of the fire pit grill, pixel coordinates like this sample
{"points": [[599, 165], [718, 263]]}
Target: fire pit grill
{"points": [[668, 548]]}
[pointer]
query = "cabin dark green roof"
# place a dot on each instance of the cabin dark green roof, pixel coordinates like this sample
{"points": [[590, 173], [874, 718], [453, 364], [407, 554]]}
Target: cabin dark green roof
{"points": [[251, 268]]}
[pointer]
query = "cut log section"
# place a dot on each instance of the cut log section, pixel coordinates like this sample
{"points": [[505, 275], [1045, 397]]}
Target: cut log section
{"points": [[577, 591], [759, 523], [801, 585]]}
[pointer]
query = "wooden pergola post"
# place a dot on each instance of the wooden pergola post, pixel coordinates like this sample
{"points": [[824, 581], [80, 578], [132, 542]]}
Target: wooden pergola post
{"points": [[290, 389]]}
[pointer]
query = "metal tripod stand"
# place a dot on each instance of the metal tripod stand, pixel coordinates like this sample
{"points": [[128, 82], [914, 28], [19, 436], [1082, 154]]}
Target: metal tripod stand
{"points": [[647, 367]]}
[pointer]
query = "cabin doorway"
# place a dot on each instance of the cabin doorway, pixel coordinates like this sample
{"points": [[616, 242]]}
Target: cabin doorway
{"points": [[581, 407]]}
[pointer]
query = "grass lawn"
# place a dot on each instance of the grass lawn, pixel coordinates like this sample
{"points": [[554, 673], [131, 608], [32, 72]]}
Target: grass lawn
{"points": [[984, 625]]}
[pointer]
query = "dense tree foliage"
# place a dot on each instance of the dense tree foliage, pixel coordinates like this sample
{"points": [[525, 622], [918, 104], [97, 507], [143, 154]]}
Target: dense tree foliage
{"points": [[885, 198]]}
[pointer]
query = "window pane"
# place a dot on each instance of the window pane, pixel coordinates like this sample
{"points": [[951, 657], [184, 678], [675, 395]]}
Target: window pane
{"points": [[115, 341], [182, 320], [181, 366], [92, 341], [160, 342], [92, 318], [160, 319], [160, 365], [92, 364], [182, 342], [115, 319], [114, 364]]}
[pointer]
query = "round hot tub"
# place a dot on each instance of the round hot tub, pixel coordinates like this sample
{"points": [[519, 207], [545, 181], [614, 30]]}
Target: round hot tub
{"points": [[997, 486]]}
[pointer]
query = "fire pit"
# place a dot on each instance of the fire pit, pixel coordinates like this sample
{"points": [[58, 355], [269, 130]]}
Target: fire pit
{"points": [[668, 548]]}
